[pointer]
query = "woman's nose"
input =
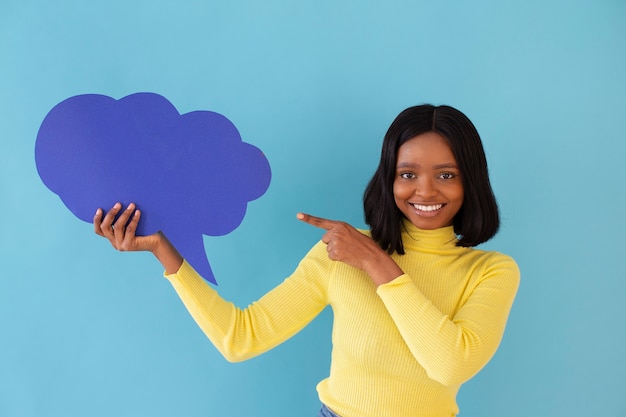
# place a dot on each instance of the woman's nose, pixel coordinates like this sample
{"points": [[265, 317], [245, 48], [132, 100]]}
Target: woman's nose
{"points": [[425, 188]]}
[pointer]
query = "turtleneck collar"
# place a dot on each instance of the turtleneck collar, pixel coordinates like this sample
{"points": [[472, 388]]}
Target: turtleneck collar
{"points": [[437, 239]]}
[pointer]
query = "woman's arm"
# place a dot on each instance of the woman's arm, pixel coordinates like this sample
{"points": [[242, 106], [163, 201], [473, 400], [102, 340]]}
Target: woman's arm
{"points": [[452, 349], [241, 334], [237, 333]]}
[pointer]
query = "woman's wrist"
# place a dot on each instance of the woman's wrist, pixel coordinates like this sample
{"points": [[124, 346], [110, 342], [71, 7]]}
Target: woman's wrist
{"points": [[383, 269], [167, 254]]}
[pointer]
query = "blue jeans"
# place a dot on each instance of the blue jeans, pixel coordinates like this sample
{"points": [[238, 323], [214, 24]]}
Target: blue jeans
{"points": [[326, 412]]}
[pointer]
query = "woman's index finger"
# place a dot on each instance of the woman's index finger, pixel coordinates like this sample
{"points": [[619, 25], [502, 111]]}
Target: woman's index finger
{"points": [[320, 222]]}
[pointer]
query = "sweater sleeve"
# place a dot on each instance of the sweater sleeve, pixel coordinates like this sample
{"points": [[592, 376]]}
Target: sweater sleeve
{"points": [[453, 349], [241, 334]]}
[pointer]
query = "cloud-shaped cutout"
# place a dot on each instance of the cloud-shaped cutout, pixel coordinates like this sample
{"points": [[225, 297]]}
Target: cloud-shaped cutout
{"points": [[190, 174]]}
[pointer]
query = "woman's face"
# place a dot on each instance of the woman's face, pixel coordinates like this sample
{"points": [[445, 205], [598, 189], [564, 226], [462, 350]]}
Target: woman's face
{"points": [[427, 187]]}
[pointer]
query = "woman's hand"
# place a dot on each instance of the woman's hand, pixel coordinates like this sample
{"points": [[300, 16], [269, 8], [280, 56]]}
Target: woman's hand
{"points": [[120, 231], [346, 244]]}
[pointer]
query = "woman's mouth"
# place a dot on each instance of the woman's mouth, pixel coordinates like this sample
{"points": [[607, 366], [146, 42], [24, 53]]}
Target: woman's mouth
{"points": [[427, 210]]}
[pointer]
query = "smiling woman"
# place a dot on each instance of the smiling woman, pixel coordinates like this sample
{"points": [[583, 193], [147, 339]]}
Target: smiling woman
{"points": [[417, 310], [477, 220], [428, 188]]}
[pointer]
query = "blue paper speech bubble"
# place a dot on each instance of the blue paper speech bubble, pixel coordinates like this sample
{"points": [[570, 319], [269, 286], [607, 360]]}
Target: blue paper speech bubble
{"points": [[190, 174]]}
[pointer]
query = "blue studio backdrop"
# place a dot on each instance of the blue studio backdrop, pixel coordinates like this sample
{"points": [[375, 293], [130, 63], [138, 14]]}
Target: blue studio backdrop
{"points": [[88, 331]]}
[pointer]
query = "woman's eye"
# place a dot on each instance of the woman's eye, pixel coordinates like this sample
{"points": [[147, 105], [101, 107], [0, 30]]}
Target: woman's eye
{"points": [[447, 176], [407, 175]]}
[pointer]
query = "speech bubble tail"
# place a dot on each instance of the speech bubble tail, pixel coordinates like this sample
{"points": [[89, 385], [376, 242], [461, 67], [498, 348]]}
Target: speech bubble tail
{"points": [[192, 249]]}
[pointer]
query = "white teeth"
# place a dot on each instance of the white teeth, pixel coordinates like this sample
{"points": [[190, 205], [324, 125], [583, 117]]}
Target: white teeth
{"points": [[427, 208]]}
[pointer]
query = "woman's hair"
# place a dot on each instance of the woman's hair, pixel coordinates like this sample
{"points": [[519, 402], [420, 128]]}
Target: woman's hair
{"points": [[477, 221]]}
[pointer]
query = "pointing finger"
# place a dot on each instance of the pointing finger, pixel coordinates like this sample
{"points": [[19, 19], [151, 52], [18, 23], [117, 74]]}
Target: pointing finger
{"points": [[317, 221]]}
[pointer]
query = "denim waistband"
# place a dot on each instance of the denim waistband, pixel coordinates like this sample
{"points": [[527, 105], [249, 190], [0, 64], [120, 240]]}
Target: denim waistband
{"points": [[326, 412]]}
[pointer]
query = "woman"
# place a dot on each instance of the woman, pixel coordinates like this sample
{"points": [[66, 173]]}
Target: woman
{"points": [[417, 310]]}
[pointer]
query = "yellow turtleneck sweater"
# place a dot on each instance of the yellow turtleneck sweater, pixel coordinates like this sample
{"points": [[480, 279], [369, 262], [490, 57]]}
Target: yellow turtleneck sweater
{"points": [[400, 350]]}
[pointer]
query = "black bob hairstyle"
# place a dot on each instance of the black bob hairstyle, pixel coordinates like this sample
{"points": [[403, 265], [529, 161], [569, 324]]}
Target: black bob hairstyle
{"points": [[477, 221]]}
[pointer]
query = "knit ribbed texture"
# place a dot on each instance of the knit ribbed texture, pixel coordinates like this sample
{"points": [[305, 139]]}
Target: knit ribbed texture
{"points": [[401, 350]]}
